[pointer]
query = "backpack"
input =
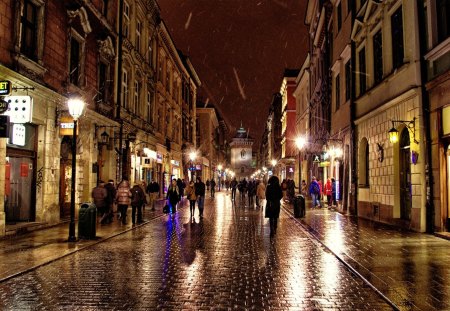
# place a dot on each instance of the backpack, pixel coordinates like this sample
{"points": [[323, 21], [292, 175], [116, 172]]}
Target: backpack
{"points": [[136, 199], [316, 188]]}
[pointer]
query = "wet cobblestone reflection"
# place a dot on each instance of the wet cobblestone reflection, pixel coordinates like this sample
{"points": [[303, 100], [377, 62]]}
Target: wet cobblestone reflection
{"points": [[225, 262]]}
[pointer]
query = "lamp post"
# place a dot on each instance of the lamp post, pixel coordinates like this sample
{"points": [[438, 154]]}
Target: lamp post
{"points": [[76, 107], [192, 157], [300, 142]]}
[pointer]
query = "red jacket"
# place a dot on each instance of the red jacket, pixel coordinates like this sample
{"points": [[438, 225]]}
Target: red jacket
{"points": [[328, 187]]}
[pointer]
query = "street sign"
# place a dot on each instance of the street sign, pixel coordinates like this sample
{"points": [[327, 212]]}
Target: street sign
{"points": [[316, 158], [3, 105], [5, 87]]}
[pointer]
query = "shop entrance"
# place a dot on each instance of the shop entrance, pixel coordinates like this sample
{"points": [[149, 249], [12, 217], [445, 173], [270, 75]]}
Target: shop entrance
{"points": [[405, 176], [19, 192], [65, 177]]}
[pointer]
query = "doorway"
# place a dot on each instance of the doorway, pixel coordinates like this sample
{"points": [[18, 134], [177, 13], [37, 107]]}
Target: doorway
{"points": [[19, 194], [405, 176]]}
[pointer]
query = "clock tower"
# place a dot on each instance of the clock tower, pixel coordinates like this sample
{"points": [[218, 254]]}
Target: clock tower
{"points": [[241, 154]]}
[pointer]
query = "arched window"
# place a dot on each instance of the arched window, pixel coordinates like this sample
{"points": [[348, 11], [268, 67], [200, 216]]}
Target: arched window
{"points": [[364, 163]]}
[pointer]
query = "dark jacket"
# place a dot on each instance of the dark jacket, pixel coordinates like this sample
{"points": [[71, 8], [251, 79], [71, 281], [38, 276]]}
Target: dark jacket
{"points": [[273, 196], [137, 196], [173, 195], [100, 194], [111, 193], [200, 188], [152, 187]]}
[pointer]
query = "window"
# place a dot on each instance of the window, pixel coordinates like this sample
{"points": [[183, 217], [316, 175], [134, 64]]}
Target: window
{"points": [[126, 20], [348, 80], [362, 70], [150, 97], [29, 25], [105, 7], [339, 15], [337, 92], [137, 92], [364, 162], [75, 59], [377, 57], [160, 69], [124, 88], [168, 78], [102, 82], [138, 35], [443, 16], [397, 38]]}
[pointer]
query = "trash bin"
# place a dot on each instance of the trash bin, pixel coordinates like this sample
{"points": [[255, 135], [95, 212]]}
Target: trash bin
{"points": [[87, 221], [299, 206]]}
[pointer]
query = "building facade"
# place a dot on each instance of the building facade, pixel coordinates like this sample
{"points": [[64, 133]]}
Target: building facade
{"points": [[391, 176], [287, 161], [242, 154]]}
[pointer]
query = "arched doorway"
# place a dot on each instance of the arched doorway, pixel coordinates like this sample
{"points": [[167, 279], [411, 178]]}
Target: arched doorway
{"points": [[405, 176]]}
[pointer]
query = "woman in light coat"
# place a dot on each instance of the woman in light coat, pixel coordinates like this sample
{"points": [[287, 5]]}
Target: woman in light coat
{"points": [[123, 198], [190, 195], [260, 193]]}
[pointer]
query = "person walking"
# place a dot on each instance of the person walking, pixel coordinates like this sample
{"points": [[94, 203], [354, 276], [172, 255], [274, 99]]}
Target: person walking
{"points": [[181, 185], [123, 198], [212, 184], [260, 193], [284, 188], [207, 184], [304, 188], [153, 191], [274, 194], [109, 186], [137, 201], [190, 195], [333, 193], [314, 191], [251, 192], [100, 196], [328, 192], [233, 185], [200, 193], [173, 196]]}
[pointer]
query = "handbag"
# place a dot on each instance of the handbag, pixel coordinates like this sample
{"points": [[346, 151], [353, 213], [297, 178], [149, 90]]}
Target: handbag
{"points": [[166, 209], [268, 212]]}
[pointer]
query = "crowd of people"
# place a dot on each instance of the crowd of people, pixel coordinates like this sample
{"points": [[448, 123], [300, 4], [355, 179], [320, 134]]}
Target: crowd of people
{"points": [[252, 193]]}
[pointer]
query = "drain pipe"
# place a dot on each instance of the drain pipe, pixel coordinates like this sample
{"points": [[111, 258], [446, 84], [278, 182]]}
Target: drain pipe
{"points": [[430, 226]]}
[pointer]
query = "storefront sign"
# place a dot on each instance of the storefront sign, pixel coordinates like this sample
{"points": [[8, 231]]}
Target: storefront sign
{"points": [[18, 135], [446, 120], [175, 162], [3, 105], [66, 126], [20, 108], [159, 157], [198, 167], [324, 164], [5, 87], [338, 193], [316, 158]]}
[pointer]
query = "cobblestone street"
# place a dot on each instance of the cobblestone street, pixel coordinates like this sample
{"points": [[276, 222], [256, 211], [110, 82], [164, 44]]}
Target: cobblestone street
{"points": [[226, 261]]}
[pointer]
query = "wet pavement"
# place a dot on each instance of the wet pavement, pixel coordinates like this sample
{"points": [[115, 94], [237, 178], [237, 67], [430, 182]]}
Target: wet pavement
{"points": [[410, 269], [227, 261]]}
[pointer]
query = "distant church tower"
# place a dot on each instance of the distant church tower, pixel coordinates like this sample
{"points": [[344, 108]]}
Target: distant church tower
{"points": [[241, 153]]}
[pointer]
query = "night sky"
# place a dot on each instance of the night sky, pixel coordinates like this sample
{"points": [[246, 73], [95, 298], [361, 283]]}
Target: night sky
{"points": [[239, 49]]}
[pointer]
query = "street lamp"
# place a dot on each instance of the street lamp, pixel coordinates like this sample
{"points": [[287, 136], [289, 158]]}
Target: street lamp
{"points": [[192, 157], [76, 107], [300, 142]]}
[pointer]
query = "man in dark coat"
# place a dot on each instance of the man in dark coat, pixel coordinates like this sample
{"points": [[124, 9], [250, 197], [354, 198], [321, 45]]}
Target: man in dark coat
{"points": [[273, 196], [111, 189], [200, 193], [137, 201]]}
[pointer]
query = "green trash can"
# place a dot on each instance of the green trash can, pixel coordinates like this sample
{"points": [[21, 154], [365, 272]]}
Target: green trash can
{"points": [[87, 221]]}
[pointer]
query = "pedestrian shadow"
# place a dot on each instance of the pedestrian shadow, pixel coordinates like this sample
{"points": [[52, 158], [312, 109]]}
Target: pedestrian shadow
{"points": [[191, 240]]}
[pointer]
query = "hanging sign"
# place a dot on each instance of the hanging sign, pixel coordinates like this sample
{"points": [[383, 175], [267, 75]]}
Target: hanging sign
{"points": [[316, 158], [5, 87], [3, 105], [20, 108]]}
